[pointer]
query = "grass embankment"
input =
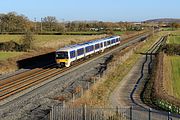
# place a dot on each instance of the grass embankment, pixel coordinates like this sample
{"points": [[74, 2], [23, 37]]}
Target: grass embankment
{"points": [[98, 95], [173, 40], [172, 75]]}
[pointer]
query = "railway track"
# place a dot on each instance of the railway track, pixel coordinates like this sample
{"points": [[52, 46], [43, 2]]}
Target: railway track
{"points": [[15, 84]]}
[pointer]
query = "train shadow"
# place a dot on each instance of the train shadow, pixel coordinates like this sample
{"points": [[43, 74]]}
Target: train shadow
{"points": [[37, 61]]}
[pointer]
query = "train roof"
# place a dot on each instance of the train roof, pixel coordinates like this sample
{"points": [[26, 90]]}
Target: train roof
{"points": [[77, 46]]}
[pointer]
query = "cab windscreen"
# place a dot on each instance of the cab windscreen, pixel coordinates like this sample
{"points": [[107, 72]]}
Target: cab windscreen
{"points": [[62, 55]]}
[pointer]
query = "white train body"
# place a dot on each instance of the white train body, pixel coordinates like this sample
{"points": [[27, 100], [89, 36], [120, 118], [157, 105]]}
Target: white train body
{"points": [[65, 56]]}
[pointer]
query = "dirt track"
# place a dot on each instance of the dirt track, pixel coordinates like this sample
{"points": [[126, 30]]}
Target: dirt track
{"points": [[121, 95]]}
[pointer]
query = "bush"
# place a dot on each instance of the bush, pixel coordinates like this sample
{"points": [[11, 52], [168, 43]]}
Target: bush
{"points": [[27, 41], [172, 49], [10, 46]]}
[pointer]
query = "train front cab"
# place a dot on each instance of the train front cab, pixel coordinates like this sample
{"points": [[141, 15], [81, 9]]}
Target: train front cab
{"points": [[62, 59]]}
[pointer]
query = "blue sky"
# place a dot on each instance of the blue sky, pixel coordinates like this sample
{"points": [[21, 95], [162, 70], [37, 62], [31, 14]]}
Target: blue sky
{"points": [[102, 10]]}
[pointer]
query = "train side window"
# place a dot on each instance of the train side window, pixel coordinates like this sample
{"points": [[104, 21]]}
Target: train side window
{"points": [[89, 48], [72, 54], [117, 39], [80, 51], [96, 46], [108, 42], [104, 43], [101, 45]]}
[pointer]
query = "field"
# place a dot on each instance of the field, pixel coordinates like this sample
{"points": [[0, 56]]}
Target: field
{"points": [[172, 75], [5, 38], [175, 64], [51, 40], [174, 40], [57, 41], [6, 55]]}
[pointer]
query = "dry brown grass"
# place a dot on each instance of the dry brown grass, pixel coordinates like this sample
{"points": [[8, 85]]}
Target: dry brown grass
{"points": [[57, 42], [167, 75], [7, 66]]}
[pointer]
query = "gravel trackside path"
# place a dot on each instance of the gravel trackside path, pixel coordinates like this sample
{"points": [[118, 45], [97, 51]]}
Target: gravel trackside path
{"points": [[121, 95]]}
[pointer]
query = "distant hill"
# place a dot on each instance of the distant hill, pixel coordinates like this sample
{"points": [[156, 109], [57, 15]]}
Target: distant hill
{"points": [[164, 20]]}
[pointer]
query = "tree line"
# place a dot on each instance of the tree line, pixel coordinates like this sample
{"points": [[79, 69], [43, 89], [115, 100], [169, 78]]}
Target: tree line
{"points": [[13, 22]]}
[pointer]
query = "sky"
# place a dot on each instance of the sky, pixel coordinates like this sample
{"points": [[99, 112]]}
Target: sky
{"points": [[101, 10]]}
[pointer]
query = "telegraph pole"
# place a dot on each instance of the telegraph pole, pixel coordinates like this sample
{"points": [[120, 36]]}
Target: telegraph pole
{"points": [[41, 24], [35, 24]]}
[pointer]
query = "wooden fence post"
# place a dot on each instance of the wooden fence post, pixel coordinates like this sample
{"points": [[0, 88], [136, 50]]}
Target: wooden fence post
{"points": [[64, 103], [149, 113], [117, 111], [84, 112], [131, 115], [52, 113]]}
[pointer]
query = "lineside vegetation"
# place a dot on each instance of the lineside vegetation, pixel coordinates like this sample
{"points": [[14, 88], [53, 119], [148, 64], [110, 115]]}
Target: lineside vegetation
{"points": [[99, 94]]}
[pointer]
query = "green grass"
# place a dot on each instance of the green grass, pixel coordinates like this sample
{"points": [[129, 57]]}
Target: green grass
{"points": [[175, 63], [173, 40], [6, 55], [118, 32]]}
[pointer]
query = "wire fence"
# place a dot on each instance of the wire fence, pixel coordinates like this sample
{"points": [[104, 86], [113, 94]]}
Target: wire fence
{"points": [[89, 113]]}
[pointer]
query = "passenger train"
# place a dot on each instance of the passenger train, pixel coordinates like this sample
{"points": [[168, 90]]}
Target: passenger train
{"points": [[65, 56]]}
